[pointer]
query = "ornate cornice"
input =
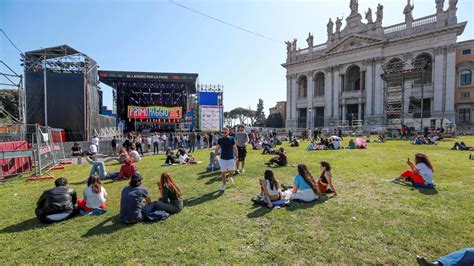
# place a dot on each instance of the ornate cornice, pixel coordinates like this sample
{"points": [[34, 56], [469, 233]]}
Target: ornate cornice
{"points": [[439, 50]]}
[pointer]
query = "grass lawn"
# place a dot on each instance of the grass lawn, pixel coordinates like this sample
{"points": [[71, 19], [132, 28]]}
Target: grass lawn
{"points": [[371, 221]]}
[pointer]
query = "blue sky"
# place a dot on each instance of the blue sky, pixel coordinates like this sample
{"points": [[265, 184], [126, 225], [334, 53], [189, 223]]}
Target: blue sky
{"points": [[158, 36]]}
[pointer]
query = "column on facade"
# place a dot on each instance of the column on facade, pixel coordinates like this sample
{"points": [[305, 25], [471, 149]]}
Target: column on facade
{"points": [[336, 93], [450, 80], [368, 88], [310, 92], [438, 68], [344, 110], [328, 93], [294, 96], [378, 91], [288, 98], [359, 111]]}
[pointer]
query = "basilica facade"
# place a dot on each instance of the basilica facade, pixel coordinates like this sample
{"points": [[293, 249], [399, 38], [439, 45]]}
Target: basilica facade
{"points": [[344, 81]]}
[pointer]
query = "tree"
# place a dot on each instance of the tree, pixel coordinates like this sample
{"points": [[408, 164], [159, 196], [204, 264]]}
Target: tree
{"points": [[274, 120], [259, 114], [240, 114], [9, 101], [252, 115], [228, 119]]}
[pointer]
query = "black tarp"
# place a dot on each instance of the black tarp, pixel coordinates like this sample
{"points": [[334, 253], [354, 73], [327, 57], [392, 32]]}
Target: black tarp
{"points": [[65, 102]]}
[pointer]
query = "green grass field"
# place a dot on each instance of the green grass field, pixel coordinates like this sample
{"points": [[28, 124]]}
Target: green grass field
{"points": [[371, 221]]}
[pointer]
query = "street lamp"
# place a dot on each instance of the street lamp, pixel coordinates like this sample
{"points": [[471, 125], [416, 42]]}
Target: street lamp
{"points": [[310, 117]]}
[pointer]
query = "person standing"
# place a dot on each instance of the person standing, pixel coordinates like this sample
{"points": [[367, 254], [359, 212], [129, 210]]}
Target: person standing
{"points": [[113, 143], [210, 139], [138, 143], [290, 135], [156, 139], [192, 141], [163, 140], [228, 149], [198, 141], [241, 140], [95, 141]]}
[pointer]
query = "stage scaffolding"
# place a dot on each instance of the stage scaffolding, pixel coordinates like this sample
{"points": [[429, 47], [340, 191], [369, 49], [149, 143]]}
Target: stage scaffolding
{"points": [[399, 80], [10, 79]]}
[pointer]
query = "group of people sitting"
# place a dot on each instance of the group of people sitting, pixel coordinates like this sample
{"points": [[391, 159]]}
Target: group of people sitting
{"points": [[331, 143], [421, 139], [61, 203], [359, 143], [181, 157], [127, 169], [305, 188]]}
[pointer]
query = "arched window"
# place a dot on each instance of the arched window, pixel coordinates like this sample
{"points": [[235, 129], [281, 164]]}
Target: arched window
{"points": [[466, 77], [319, 84], [424, 61], [303, 87], [353, 79], [394, 65]]}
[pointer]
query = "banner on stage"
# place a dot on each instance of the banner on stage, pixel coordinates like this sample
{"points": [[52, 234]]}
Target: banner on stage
{"points": [[154, 112]]}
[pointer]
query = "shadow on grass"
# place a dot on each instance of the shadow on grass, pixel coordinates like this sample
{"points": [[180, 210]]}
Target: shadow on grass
{"points": [[26, 225], [424, 191], [201, 199], [208, 174], [260, 211], [103, 229]]}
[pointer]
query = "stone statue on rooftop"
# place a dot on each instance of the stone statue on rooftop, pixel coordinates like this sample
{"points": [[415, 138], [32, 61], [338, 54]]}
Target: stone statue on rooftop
{"points": [[354, 5], [288, 46], [338, 24], [330, 27], [452, 4], [293, 44], [439, 6], [310, 40], [379, 14], [368, 16], [408, 11]]}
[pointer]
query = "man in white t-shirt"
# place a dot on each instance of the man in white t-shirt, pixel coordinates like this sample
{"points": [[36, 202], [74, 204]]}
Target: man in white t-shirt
{"points": [[92, 149], [156, 139], [95, 141], [148, 144]]}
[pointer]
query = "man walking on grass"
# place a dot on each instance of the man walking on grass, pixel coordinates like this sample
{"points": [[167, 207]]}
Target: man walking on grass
{"points": [[228, 151], [241, 140]]}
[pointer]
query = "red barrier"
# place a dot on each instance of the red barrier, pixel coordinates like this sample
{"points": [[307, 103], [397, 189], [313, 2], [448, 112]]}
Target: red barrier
{"points": [[16, 165]]}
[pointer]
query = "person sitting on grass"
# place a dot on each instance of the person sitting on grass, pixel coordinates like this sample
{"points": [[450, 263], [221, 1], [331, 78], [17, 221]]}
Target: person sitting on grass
{"points": [[170, 157], [213, 162], [121, 157], [134, 154], [268, 150], [294, 142], [132, 201], [352, 144], [325, 179], [462, 147], [126, 170], [94, 198], [360, 144], [270, 188], [185, 158], [304, 187], [280, 159], [170, 200], [420, 173], [57, 204], [76, 149]]}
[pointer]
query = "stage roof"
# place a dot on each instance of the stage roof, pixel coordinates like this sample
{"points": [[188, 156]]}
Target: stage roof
{"points": [[52, 52], [112, 77]]}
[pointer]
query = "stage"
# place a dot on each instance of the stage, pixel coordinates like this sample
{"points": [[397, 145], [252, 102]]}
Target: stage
{"points": [[152, 101]]}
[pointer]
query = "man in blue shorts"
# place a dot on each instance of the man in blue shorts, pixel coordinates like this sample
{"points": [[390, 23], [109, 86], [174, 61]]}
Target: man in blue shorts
{"points": [[228, 151]]}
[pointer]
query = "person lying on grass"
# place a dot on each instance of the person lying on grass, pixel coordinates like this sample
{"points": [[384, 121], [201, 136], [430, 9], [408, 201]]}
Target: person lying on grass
{"points": [[280, 159], [184, 158], [126, 171], [120, 158], [170, 200], [325, 179], [270, 188], [133, 200], [57, 204], [94, 197], [462, 146], [420, 173], [304, 187]]}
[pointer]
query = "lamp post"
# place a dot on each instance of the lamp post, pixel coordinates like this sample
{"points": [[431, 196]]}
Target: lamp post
{"points": [[310, 110]]}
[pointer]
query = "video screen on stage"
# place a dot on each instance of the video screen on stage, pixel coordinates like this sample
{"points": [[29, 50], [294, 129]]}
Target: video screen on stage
{"points": [[154, 112]]}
